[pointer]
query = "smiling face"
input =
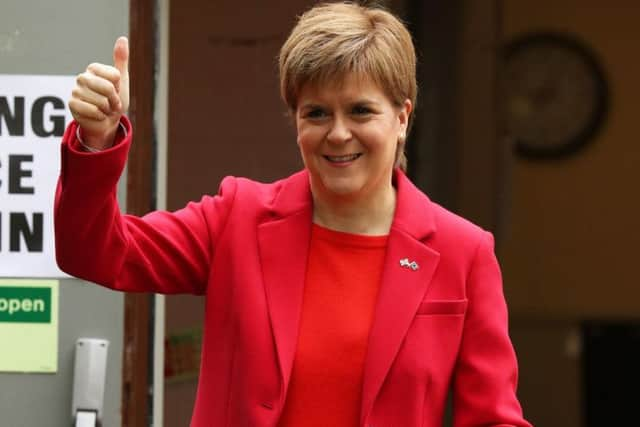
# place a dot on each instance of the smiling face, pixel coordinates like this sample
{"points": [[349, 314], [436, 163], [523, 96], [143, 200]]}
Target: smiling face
{"points": [[348, 135]]}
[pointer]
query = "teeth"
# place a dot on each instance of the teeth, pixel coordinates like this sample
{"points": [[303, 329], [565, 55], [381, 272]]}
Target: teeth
{"points": [[347, 158]]}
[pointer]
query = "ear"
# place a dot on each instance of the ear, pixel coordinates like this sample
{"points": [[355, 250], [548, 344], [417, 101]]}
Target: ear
{"points": [[404, 113], [293, 119]]}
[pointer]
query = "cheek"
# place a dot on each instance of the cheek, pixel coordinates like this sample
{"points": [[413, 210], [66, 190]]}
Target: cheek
{"points": [[382, 141], [308, 137], [305, 146], [301, 140]]}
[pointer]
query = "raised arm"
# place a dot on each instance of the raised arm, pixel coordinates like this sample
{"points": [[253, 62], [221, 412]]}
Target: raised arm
{"points": [[160, 252]]}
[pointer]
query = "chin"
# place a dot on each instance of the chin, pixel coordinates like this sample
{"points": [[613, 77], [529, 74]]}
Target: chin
{"points": [[341, 187]]}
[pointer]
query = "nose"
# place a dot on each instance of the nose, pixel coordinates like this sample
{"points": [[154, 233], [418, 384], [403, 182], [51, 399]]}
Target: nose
{"points": [[339, 131]]}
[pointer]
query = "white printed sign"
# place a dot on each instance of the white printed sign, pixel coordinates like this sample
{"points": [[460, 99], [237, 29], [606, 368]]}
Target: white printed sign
{"points": [[33, 117]]}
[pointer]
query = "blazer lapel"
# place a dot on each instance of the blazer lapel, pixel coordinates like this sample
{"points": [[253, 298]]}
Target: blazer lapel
{"points": [[402, 287], [283, 243]]}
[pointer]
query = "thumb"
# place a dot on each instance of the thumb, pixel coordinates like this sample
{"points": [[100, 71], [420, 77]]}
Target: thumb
{"points": [[121, 62], [121, 55]]}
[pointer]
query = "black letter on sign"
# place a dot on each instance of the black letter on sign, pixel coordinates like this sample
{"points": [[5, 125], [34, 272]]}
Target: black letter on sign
{"points": [[37, 117], [15, 122], [18, 226], [16, 173]]}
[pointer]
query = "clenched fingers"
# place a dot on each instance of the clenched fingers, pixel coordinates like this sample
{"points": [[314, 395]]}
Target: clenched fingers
{"points": [[87, 95], [107, 72], [83, 109], [88, 81]]}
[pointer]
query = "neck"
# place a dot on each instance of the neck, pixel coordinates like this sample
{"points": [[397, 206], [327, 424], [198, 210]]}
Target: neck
{"points": [[371, 214]]}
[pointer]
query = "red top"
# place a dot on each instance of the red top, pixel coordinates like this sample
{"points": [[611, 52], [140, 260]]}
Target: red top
{"points": [[343, 275]]}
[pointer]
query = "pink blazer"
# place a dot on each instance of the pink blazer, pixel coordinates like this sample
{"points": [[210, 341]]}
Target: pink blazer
{"points": [[441, 325]]}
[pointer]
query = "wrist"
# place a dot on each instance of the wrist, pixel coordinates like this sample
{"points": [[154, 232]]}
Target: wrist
{"points": [[97, 143]]}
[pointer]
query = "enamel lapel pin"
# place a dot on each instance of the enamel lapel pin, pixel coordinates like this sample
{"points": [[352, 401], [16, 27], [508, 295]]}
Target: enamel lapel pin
{"points": [[404, 262]]}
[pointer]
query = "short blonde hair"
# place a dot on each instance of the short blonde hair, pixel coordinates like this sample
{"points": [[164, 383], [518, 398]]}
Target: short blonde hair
{"points": [[332, 40]]}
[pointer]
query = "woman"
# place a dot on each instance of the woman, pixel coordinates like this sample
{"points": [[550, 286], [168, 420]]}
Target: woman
{"points": [[337, 296]]}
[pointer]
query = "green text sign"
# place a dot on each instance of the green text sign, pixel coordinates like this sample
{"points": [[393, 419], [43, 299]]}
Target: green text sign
{"points": [[28, 325], [26, 305]]}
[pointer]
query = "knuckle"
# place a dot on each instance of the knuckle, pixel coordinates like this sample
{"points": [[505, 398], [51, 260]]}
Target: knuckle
{"points": [[95, 111]]}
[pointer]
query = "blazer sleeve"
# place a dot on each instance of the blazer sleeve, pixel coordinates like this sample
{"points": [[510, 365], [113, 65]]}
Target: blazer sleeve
{"points": [[485, 377], [160, 252]]}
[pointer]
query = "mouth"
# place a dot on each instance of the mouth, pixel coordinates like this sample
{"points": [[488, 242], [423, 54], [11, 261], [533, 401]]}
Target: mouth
{"points": [[342, 159]]}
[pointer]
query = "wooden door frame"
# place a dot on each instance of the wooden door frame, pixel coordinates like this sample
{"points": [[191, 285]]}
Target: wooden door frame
{"points": [[137, 366]]}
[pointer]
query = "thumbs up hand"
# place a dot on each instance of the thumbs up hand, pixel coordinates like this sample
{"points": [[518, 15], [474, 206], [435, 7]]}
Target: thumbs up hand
{"points": [[101, 96]]}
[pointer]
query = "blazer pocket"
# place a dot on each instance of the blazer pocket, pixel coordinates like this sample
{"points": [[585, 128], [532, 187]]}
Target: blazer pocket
{"points": [[430, 307]]}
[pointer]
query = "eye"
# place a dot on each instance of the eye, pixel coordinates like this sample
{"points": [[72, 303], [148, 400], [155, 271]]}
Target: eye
{"points": [[361, 110], [315, 113]]}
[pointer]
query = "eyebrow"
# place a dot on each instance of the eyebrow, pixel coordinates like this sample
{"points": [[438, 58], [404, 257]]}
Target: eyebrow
{"points": [[310, 106], [363, 101]]}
